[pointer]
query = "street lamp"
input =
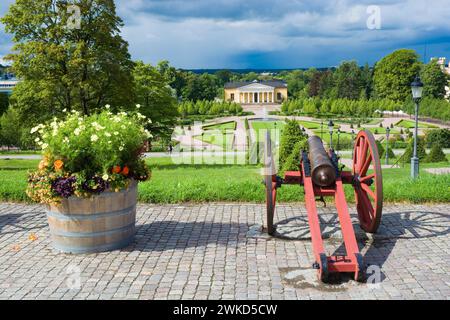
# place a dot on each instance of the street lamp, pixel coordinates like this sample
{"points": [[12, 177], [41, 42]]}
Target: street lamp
{"points": [[338, 134], [388, 130], [331, 127], [417, 89], [353, 142], [321, 130]]}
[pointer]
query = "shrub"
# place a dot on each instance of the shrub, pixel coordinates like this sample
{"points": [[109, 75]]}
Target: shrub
{"points": [[438, 136], [421, 153], [436, 154], [291, 135], [292, 163], [86, 155]]}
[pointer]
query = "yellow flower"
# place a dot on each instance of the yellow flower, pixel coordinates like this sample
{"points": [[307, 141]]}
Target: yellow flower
{"points": [[58, 165]]}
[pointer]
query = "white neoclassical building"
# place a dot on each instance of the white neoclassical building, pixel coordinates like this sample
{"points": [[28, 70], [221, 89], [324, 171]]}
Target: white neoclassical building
{"points": [[256, 92]]}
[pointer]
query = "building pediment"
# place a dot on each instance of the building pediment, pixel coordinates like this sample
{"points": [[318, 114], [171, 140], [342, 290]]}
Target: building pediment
{"points": [[256, 87]]}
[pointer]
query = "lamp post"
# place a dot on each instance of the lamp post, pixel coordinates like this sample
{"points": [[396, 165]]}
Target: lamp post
{"points": [[417, 89], [338, 134], [321, 130], [331, 127], [388, 130], [353, 142]]}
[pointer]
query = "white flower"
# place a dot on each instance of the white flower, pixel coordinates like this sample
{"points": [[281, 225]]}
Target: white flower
{"points": [[149, 121], [37, 140], [107, 106], [116, 133], [109, 142], [66, 140], [64, 110], [35, 129], [141, 116], [77, 131], [105, 177], [44, 146], [108, 134], [94, 138], [149, 135], [138, 106], [120, 148]]}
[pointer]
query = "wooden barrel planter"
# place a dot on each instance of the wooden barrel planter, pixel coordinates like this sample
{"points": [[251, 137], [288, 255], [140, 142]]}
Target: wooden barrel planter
{"points": [[101, 223]]}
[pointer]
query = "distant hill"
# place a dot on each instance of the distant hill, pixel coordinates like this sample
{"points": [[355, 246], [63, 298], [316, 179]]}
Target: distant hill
{"points": [[243, 71]]}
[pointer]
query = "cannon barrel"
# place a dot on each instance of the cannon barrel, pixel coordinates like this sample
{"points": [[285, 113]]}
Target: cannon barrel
{"points": [[323, 173]]}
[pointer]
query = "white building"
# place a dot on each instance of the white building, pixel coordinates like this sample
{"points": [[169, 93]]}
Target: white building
{"points": [[7, 86]]}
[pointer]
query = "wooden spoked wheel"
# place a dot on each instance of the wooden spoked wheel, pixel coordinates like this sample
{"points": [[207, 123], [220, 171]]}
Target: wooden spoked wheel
{"points": [[270, 182], [368, 181]]}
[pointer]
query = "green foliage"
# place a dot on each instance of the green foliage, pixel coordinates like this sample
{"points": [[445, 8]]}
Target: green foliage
{"points": [[349, 80], [205, 107], [9, 126], [155, 98], [94, 152], [436, 154], [434, 80], [409, 151], [394, 73], [4, 102], [292, 163], [203, 87], [67, 68], [440, 137], [292, 134]]}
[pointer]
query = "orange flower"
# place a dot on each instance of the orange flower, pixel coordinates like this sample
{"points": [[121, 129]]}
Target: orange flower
{"points": [[125, 171], [116, 169], [58, 165]]}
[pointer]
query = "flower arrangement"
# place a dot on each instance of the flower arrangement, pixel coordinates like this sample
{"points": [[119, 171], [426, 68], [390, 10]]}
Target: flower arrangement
{"points": [[88, 155]]}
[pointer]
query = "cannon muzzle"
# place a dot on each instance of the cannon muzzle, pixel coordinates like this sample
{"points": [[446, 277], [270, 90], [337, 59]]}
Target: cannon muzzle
{"points": [[323, 173]]}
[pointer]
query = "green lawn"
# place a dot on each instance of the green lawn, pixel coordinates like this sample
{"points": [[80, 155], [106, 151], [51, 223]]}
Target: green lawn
{"points": [[173, 183], [218, 139], [411, 124], [373, 122], [309, 124], [221, 126]]}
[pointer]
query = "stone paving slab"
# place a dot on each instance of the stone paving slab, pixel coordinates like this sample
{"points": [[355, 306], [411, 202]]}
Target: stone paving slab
{"points": [[217, 251]]}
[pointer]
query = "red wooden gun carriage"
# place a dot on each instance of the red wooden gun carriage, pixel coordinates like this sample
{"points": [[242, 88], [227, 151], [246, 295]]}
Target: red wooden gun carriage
{"points": [[320, 176]]}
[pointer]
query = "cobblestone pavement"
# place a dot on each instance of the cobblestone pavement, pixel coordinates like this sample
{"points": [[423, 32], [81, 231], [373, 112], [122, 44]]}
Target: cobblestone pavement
{"points": [[217, 251]]}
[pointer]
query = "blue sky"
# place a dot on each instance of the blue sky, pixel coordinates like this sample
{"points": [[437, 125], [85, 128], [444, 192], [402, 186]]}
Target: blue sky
{"points": [[267, 34]]}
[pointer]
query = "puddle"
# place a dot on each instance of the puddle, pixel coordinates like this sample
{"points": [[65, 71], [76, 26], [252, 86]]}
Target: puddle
{"points": [[306, 278]]}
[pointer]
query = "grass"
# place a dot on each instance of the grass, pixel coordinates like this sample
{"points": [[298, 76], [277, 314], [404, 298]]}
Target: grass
{"points": [[217, 138], [221, 126], [309, 124], [173, 183], [373, 122], [411, 124]]}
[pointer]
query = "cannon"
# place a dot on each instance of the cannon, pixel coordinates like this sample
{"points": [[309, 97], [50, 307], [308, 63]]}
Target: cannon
{"points": [[320, 176]]}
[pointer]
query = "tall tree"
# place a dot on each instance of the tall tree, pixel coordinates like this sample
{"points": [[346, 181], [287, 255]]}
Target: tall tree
{"points": [[348, 80], [65, 66], [200, 87], [434, 80], [394, 74], [156, 98]]}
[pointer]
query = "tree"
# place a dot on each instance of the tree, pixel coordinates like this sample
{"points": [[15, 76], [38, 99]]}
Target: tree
{"points": [[434, 80], [290, 136], [436, 154], [4, 102], [348, 80], [409, 151], [156, 99], [9, 127], [203, 87], [224, 76], [68, 68], [439, 137], [394, 73]]}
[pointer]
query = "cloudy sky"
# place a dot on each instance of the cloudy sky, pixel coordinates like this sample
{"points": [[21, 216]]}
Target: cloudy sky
{"points": [[267, 34]]}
